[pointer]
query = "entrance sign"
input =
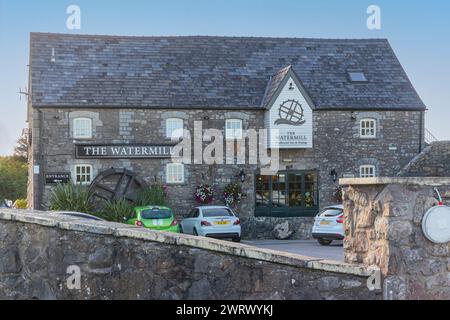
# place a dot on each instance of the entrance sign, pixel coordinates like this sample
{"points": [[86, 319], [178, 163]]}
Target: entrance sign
{"points": [[54, 178], [119, 151]]}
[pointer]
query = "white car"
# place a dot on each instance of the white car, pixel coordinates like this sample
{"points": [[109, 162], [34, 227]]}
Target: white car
{"points": [[212, 221], [329, 225]]}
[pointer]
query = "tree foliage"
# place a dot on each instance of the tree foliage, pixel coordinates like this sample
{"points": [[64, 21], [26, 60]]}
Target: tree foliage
{"points": [[13, 178]]}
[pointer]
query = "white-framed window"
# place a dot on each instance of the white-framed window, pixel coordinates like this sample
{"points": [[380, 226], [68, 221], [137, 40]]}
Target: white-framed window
{"points": [[83, 174], [233, 129], [172, 125], [368, 128], [367, 171], [175, 173], [82, 128]]}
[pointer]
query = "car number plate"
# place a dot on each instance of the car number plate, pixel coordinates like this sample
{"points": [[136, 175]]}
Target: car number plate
{"points": [[158, 222], [324, 223], [221, 222]]}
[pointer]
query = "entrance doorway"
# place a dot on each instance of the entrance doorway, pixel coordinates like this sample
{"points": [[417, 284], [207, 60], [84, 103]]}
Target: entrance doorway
{"points": [[287, 194]]}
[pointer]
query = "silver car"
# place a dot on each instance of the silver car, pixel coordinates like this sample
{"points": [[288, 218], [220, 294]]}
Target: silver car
{"points": [[212, 221], [329, 225]]}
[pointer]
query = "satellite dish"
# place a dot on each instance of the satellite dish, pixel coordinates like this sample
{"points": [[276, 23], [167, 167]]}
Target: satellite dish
{"points": [[436, 224]]}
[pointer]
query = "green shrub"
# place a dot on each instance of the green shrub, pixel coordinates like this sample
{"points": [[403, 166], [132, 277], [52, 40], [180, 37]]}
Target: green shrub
{"points": [[13, 178], [70, 197], [118, 210], [152, 195]]}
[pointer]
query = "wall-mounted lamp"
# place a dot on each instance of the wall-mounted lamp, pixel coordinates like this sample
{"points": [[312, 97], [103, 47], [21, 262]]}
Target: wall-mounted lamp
{"points": [[353, 116], [334, 175], [291, 86], [242, 176]]}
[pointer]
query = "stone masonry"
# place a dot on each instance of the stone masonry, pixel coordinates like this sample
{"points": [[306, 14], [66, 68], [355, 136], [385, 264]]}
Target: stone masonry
{"points": [[383, 227], [434, 161], [117, 261], [336, 145]]}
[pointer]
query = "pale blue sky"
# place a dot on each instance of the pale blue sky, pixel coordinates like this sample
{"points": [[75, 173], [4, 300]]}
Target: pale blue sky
{"points": [[417, 30]]}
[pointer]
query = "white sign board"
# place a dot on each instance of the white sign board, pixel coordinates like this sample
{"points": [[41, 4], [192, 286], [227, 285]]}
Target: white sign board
{"points": [[436, 224], [289, 120]]}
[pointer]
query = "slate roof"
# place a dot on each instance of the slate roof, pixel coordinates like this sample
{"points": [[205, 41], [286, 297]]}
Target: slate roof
{"points": [[211, 72], [273, 85]]}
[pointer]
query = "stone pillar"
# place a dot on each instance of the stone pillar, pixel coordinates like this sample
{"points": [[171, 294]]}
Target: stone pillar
{"points": [[383, 226]]}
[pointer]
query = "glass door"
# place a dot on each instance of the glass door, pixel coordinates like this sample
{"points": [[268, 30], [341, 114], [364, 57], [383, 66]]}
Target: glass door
{"points": [[280, 202], [287, 194]]}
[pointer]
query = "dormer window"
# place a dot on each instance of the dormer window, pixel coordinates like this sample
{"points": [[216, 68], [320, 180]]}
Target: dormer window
{"points": [[357, 76]]}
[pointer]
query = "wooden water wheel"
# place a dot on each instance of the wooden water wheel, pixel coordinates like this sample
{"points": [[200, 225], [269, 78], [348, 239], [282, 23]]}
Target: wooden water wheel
{"points": [[116, 183]]}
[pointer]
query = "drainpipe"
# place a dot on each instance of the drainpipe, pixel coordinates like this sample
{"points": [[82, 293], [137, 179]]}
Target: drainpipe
{"points": [[421, 131], [40, 161]]}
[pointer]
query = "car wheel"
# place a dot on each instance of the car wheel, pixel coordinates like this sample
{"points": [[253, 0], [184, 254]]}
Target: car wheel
{"points": [[238, 239], [195, 232], [324, 242]]}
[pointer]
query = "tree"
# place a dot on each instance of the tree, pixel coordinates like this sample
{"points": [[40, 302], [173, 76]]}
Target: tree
{"points": [[21, 148], [13, 178]]}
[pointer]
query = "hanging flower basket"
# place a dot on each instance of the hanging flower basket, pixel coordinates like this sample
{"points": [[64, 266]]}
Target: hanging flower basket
{"points": [[232, 194], [204, 194], [337, 194]]}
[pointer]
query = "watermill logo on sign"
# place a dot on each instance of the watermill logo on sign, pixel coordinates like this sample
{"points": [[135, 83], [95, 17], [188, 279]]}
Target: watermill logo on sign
{"points": [[291, 113]]}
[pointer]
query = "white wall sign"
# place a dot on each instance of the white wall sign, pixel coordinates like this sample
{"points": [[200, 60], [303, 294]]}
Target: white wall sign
{"points": [[289, 120], [436, 224]]}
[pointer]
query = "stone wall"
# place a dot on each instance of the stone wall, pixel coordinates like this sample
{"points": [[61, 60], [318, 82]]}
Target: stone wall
{"points": [[125, 262], [434, 161], [383, 227], [336, 145]]}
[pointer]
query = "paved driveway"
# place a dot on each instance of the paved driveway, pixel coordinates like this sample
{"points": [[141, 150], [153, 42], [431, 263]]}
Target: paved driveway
{"points": [[309, 248]]}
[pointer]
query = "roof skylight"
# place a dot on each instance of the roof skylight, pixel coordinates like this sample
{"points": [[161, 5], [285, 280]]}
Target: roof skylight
{"points": [[357, 76]]}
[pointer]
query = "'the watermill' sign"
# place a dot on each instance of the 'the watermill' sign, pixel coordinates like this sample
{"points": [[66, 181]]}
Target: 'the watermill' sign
{"points": [[290, 120], [115, 151]]}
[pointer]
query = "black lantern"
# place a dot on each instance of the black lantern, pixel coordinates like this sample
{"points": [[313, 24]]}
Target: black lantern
{"points": [[334, 175], [242, 176]]}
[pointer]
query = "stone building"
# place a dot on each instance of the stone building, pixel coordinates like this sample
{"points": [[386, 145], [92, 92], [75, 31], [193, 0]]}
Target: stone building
{"points": [[106, 107]]}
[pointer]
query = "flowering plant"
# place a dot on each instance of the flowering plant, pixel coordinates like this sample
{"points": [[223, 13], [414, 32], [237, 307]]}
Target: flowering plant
{"points": [[204, 194], [337, 194], [232, 194]]}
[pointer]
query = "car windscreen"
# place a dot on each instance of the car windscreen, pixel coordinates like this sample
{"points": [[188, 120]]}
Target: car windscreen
{"points": [[216, 212], [331, 212], [156, 214]]}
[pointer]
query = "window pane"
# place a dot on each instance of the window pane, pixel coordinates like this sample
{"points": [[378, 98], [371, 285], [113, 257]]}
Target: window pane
{"points": [[172, 125], [279, 191], [175, 173], [82, 128], [310, 190], [262, 191]]}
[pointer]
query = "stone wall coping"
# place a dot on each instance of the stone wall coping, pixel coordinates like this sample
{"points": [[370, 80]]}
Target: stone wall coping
{"points": [[421, 181], [49, 219]]}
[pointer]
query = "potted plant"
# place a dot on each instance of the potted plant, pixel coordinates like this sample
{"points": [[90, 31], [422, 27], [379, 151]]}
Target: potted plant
{"points": [[337, 194]]}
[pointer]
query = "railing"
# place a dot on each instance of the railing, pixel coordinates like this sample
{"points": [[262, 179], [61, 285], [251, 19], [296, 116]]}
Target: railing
{"points": [[429, 137]]}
